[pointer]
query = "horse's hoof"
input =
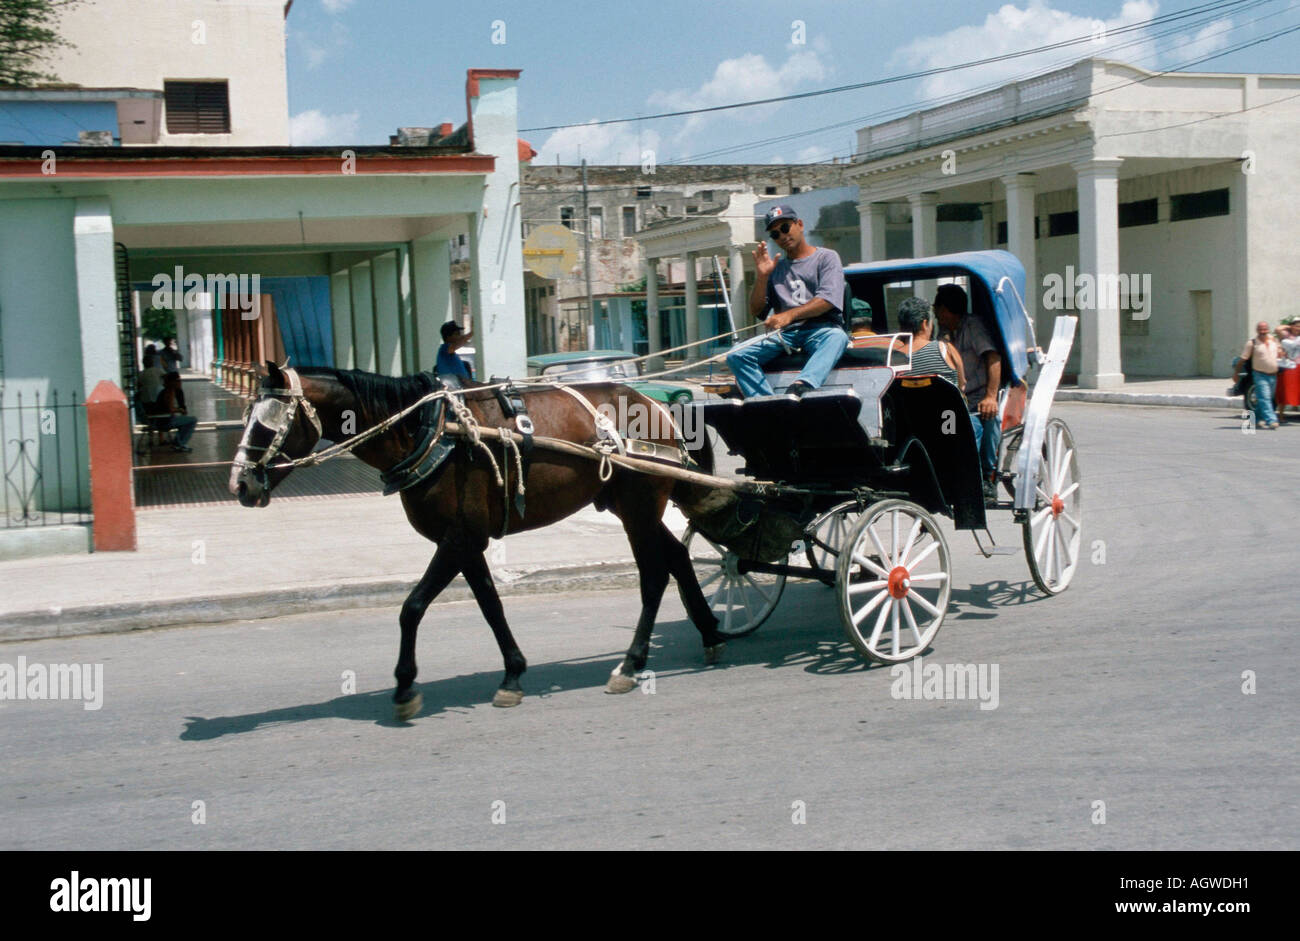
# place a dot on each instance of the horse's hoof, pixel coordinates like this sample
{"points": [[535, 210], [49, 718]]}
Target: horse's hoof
{"points": [[714, 654], [619, 683], [405, 711], [505, 698]]}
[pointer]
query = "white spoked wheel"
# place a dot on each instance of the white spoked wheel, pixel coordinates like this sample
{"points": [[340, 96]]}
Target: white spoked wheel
{"points": [[740, 601], [894, 580], [825, 535], [1052, 531]]}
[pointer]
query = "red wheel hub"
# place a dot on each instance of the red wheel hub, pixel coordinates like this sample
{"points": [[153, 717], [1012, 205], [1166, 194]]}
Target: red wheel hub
{"points": [[900, 582], [1058, 505]]}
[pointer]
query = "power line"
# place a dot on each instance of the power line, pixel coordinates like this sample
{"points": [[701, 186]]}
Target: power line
{"points": [[925, 73]]}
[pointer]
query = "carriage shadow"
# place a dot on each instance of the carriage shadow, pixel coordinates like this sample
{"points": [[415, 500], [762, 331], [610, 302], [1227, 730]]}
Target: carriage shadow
{"points": [[813, 641]]}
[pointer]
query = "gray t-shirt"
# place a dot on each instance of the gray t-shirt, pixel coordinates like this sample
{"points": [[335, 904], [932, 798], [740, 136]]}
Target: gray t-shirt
{"points": [[795, 283], [973, 341]]}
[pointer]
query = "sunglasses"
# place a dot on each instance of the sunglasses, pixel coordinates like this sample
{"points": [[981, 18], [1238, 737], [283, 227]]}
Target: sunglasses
{"points": [[781, 229]]}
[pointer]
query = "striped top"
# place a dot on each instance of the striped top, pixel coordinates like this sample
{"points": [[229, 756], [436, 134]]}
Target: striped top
{"points": [[929, 359]]}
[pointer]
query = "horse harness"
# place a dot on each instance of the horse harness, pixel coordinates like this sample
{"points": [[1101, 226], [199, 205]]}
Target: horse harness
{"points": [[278, 418]]}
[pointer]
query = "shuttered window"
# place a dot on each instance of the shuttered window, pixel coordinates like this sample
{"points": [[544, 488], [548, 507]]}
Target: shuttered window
{"points": [[197, 107]]}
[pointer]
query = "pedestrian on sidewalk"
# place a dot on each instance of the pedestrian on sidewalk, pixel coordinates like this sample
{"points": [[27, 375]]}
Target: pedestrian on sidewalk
{"points": [[1263, 351], [1288, 369], [172, 402]]}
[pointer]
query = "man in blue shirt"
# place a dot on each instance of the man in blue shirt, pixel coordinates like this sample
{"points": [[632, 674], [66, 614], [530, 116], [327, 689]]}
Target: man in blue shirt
{"points": [[449, 364], [805, 292]]}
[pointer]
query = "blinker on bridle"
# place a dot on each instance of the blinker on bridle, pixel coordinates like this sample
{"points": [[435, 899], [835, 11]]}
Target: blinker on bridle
{"points": [[279, 421]]}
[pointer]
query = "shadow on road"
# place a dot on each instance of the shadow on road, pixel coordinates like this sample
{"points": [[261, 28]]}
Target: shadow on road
{"points": [[812, 640]]}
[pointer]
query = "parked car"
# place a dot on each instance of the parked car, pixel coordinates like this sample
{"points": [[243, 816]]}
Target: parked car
{"points": [[611, 365]]}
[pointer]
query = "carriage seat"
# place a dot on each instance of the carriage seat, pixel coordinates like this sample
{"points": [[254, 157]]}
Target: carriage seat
{"points": [[854, 357]]}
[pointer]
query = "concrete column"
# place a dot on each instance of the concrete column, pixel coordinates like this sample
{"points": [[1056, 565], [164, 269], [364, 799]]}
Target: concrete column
{"points": [[497, 259], [871, 220], [652, 313], [1020, 239], [388, 321], [96, 291], [363, 318], [431, 280], [406, 312], [1099, 349], [925, 236], [341, 318], [736, 277], [692, 307]]}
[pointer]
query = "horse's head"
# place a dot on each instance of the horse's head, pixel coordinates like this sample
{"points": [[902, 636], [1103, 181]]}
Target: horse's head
{"points": [[280, 425]]}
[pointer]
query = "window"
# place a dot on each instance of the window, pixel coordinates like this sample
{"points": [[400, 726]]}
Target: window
{"points": [[197, 107], [596, 215], [1063, 223], [643, 192], [692, 210], [706, 196], [566, 216], [1141, 212], [769, 190], [629, 221], [1198, 205], [1002, 233]]}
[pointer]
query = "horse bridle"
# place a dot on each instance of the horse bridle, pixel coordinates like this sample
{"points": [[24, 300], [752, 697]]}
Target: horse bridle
{"points": [[279, 423]]}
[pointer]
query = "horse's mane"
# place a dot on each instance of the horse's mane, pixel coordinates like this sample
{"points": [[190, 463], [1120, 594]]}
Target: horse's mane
{"points": [[379, 396]]}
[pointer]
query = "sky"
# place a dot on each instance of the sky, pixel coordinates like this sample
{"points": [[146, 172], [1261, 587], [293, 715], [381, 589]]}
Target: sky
{"points": [[359, 69]]}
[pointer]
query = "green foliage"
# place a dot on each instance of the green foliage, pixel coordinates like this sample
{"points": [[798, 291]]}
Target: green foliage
{"points": [[158, 323], [28, 33]]}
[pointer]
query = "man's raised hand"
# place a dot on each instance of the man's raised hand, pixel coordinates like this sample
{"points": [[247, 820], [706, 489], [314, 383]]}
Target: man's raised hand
{"points": [[763, 263]]}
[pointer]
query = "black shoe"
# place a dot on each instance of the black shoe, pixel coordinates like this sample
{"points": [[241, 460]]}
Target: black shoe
{"points": [[798, 388], [990, 493], [181, 447]]}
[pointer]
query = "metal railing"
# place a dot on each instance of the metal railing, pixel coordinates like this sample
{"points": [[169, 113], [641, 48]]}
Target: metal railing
{"points": [[43, 447]]}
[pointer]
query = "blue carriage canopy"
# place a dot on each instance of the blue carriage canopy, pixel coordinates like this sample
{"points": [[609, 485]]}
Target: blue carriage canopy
{"points": [[992, 275]]}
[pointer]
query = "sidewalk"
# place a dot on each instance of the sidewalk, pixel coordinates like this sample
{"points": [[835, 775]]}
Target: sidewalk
{"points": [[226, 562], [1188, 393]]}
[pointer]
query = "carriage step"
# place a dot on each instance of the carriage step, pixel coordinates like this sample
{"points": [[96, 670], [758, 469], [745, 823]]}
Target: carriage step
{"points": [[993, 548]]}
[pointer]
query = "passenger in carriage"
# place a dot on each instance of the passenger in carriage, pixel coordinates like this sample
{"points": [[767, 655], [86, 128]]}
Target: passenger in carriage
{"points": [[983, 367], [928, 354], [805, 292]]}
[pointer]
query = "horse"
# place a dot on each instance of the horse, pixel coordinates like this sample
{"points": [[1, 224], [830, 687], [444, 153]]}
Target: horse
{"points": [[462, 505]]}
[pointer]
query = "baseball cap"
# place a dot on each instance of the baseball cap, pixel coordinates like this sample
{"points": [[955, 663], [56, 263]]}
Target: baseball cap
{"points": [[450, 329], [781, 213]]}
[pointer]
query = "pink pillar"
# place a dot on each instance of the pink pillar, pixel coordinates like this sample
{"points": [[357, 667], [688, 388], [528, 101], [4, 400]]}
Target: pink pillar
{"points": [[112, 496]]}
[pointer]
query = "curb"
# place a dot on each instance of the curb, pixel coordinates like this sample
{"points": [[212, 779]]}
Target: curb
{"points": [[46, 623], [1148, 398]]}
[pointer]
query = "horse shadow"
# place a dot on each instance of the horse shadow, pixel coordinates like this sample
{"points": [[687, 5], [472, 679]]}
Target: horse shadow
{"points": [[813, 642]]}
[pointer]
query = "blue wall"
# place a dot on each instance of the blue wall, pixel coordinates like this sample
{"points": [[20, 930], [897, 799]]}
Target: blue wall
{"points": [[302, 306], [47, 122]]}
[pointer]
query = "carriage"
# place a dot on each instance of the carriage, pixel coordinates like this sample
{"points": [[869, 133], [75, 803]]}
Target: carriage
{"points": [[844, 484]]}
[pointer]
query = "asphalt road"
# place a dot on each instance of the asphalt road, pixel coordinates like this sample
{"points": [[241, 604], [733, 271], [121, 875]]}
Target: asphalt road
{"points": [[1127, 689]]}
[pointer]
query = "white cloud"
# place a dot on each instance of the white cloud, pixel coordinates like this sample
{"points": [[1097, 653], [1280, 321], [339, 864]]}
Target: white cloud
{"points": [[1012, 29], [336, 6], [815, 153], [315, 127], [1211, 38], [598, 143], [744, 78]]}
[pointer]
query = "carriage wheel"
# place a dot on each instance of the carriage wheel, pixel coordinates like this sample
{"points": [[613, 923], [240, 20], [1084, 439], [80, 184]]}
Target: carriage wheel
{"points": [[894, 579], [825, 535], [1052, 531], [740, 602]]}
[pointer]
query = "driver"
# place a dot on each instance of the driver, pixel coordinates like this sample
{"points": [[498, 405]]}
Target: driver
{"points": [[805, 291]]}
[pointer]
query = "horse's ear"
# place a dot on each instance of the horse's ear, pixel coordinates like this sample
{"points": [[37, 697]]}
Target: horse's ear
{"points": [[273, 374]]}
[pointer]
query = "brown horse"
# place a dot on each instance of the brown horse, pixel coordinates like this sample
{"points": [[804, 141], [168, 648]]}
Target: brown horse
{"points": [[462, 505]]}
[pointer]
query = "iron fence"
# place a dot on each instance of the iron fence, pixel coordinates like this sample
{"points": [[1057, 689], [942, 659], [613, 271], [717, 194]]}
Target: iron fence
{"points": [[44, 449]]}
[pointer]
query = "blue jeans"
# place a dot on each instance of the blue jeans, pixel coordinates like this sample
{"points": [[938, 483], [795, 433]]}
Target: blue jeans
{"points": [[988, 435], [1265, 389], [823, 344], [184, 425]]}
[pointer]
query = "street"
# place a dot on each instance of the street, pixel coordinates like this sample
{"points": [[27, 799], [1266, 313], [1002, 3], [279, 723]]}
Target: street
{"points": [[1120, 700]]}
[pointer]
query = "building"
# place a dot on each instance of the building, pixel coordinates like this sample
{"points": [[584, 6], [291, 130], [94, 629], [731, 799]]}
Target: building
{"points": [[1145, 203], [623, 204], [337, 256]]}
